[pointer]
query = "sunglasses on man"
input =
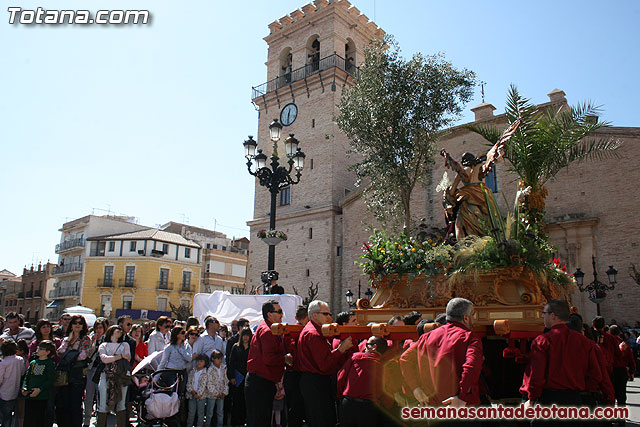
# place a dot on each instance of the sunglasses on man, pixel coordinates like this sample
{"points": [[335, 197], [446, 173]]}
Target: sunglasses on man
{"points": [[277, 311]]}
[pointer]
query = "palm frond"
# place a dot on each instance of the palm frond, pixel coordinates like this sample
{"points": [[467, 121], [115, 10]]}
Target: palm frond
{"points": [[490, 133]]}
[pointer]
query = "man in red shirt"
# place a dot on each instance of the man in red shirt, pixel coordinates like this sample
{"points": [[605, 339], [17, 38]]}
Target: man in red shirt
{"points": [[318, 363], [443, 366], [360, 385], [620, 366], [555, 374], [265, 367], [606, 342]]}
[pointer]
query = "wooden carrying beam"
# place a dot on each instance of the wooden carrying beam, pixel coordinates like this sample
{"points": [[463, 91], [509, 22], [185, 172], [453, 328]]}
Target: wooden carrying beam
{"points": [[391, 332]]}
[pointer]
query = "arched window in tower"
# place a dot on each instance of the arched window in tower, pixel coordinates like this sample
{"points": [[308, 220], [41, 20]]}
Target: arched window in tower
{"points": [[313, 55], [349, 56], [286, 62]]}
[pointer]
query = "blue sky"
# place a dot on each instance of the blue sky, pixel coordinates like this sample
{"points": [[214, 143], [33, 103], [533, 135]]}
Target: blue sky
{"points": [[149, 120]]}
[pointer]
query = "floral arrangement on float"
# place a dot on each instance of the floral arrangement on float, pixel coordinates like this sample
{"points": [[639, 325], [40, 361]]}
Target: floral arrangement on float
{"points": [[509, 264]]}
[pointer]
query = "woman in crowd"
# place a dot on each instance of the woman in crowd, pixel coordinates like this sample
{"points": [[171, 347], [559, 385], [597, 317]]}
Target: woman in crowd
{"points": [[192, 321], [111, 351], [158, 338], [99, 329], [73, 354], [237, 370], [177, 355], [141, 346], [43, 331]]}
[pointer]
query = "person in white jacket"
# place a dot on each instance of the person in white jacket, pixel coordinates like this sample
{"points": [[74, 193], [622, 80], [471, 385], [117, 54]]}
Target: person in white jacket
{"points": [[217, 389]]}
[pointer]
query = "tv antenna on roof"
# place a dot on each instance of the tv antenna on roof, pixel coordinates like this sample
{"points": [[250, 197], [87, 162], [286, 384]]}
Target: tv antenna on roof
{"points": [[482, 90]]}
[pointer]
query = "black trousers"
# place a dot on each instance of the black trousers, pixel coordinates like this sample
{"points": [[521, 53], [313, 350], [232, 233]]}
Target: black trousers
{"points": [[69, 405], [239, 409], [34, 411], [259, 394], [319, 401], [560, 398], [358, 413], [295, 402], [619, 379]]}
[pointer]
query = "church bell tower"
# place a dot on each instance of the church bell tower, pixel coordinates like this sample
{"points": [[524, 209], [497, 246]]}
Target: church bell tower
{"points": [[313, 54]]}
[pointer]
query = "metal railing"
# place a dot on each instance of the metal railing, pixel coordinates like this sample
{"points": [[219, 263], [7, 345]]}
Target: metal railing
{"points": [[70, 244], [63, 292], [67, 268], [37, 293], [105, 283], [305, 71], [29, 294], [124, 283], [167, 286], [186, 287], [21, 295]]}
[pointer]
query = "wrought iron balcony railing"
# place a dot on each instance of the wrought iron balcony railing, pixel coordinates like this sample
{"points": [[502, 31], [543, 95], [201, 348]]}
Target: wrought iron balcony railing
{"points": [[70, 244], [302, 73], [67, 268], [102, 283], [186, 287], [125, 283], [63, 292], [167, 286]]}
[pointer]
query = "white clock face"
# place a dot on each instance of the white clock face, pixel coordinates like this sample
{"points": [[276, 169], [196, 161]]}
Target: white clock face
{"points": [[288, 114]]}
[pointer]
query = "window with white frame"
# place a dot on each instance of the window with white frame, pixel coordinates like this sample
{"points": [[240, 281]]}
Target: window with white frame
{"points": [[127, 301], [132, 246], [162, 304], [187, 252]]}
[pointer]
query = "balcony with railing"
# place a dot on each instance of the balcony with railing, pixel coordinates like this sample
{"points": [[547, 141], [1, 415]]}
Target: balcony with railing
{"points": [[21, 295], [314, 67], [105, 283], [29, 294], [186, 287], [126, 283], [72, 267], [164, 286], [37, 293], [68, 245], [63, 293]]}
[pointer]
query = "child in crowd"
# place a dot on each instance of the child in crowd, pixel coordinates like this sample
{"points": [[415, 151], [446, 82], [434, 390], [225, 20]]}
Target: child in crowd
{"points": [[278, 405], [218, 388], [11, 370], [38, 383], [23, 351], [197, 390]]}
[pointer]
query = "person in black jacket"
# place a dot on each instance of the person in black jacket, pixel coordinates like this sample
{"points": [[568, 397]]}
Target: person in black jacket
{"points": [[125, 322], [237, 370]]}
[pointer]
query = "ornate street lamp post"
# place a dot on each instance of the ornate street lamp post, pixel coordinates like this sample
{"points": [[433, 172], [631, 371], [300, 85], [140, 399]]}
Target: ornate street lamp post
{"points": [[596, 289], [349, 295], [275, 178]]}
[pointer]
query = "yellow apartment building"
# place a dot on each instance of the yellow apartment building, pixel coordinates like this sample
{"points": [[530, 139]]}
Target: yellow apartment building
{"points": [[140, 273]]}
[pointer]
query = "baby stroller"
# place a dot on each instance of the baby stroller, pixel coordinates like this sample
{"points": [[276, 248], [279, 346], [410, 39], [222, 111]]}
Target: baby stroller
{"points": [[158, 403]]}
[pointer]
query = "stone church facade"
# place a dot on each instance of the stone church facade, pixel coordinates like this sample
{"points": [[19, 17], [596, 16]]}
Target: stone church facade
{"points": [[591, 206]]}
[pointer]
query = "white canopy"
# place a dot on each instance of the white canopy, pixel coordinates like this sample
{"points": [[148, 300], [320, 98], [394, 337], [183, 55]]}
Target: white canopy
{"points": [[85, 312], [227, 307]]}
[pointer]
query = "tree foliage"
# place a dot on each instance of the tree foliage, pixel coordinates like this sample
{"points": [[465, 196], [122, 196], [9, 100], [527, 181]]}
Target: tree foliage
{"points": [[394, 115]]}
